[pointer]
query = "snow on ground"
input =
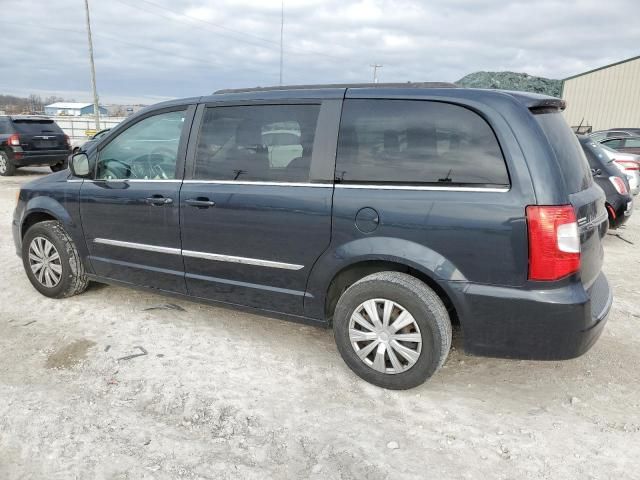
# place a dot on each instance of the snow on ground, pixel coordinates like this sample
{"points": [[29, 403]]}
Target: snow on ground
{"points": [[222, 394]]}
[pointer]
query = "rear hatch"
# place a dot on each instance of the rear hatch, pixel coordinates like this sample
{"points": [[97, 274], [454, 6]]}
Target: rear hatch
{"points": [[39, 134], [587, 199]]}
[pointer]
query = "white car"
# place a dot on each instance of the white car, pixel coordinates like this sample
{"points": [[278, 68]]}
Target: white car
{"points": [[628, 163]]}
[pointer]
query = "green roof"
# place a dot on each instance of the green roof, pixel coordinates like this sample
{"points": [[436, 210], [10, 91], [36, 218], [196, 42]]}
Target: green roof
{"points": [[602, 68]]}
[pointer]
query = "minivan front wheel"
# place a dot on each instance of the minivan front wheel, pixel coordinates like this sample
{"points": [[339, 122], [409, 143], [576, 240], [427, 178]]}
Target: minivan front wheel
{"points": [[6, 167], [52, 262], [392, 330]]}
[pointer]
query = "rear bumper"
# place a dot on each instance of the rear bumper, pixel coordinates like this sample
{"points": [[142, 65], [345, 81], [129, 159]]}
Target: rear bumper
{"points": [[554, 324], [40, 157]]}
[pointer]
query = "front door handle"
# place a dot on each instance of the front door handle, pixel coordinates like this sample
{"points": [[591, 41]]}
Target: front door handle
{"points": [[200, 202], [158, 200]]}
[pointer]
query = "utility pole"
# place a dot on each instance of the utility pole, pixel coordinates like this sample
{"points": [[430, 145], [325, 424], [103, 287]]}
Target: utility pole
{"points": [[281, 38], [375, 67], [96, 106]]}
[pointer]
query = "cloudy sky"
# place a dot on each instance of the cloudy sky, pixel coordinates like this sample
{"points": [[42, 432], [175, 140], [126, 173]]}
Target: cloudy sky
{"points": [[148, 50]]}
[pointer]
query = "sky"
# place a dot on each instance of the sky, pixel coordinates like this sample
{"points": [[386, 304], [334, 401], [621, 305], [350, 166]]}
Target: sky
{"points": [[150, 50]]}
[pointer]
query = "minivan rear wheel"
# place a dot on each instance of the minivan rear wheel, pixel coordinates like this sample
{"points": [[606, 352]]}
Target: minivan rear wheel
{"points": [[52, 262], [6, 167], [392, 330]]}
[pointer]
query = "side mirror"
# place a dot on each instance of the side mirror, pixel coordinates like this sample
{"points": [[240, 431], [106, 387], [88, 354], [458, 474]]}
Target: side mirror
{"points": [[80, 165]]}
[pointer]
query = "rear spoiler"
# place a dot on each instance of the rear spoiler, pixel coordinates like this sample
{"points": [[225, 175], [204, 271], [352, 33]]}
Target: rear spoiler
{"points": [[547, 106]]}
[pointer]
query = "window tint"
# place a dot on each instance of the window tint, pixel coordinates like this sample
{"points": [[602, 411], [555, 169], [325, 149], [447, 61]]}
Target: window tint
{"points": [[36, 127], [595, 154], [411, 142], [568, 152], [5, 126], [613, 143], [147, 150], [257, 143]]}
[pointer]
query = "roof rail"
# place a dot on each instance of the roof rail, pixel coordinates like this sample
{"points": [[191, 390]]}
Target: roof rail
{"points": [[340, 85]]}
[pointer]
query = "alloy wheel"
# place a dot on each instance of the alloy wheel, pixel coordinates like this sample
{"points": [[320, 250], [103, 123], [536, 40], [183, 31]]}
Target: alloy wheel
{"points": [[3, 164], [385, 336], [45, 262]]}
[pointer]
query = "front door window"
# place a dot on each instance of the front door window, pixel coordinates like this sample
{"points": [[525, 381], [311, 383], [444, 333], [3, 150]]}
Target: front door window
{"points": [[147, 150]]}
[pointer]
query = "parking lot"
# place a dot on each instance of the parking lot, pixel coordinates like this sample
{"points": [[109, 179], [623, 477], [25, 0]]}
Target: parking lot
{"points": [[118, 384]]}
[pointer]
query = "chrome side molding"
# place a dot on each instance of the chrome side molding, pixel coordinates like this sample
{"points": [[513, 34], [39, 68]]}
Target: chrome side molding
{"points": [[194, 254], [137, 246]]}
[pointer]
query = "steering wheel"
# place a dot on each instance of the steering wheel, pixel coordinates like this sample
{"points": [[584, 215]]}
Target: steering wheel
{"points": [[111, 174], [155, 168]]}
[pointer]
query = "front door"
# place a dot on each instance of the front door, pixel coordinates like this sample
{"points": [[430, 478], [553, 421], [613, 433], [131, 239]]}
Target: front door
{"points": [[130, 212], [253, 219]]}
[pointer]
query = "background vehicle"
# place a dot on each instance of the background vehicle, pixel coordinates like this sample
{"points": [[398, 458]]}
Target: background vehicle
{"points": [[31, 140], [614, 133], [623, 144], [611, 180], [408, 208], [628, 163], [84, 145]]}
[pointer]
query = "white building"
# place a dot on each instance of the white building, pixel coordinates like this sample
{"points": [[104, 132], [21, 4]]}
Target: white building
{"points": [[72, 109]]}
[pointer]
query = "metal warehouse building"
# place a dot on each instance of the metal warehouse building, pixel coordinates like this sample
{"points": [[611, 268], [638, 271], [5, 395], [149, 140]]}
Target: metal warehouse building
{"points": [[607, 97]]}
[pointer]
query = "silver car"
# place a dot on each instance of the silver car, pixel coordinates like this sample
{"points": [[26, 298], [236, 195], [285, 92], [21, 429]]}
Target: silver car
{"points": [[627, 163]]}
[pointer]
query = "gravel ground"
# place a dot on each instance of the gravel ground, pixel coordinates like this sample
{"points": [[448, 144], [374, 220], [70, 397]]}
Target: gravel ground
{"points": [[222, 394]]}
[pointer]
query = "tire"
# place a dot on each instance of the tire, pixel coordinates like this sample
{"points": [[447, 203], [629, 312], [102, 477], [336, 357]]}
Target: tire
{"points": [[58, 166], [430, 323], [7, 168], [67, 266]]}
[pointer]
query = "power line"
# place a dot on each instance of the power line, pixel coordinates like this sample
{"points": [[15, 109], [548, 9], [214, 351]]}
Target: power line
{"points": [[198, 60], [273, 44]]}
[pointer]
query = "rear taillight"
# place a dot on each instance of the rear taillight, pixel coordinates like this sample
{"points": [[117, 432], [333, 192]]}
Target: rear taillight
{"points": [[554, 242], [619, 185], [628, 164], [14, 140]]}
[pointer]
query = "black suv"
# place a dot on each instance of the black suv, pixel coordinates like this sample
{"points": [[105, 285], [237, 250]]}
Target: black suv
{"points": [[389, 212], [27, 140]]}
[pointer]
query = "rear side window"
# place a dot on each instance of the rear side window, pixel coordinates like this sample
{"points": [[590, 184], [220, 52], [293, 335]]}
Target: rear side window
{"points": [[36, 127], [417, 142], [632, 142], [567, 150], [257, 143]]}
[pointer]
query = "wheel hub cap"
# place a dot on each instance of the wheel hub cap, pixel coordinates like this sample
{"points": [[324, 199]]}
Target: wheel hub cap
{"points": [[3, 164], [385, 336], [44, 261]]}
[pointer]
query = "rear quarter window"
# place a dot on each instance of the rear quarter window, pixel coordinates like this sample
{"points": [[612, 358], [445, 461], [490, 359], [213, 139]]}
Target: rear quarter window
{"points": [[417, 142], [567, 150]]}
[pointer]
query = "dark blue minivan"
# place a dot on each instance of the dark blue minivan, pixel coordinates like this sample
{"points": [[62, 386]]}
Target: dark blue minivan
{"points": [[389, 212]]}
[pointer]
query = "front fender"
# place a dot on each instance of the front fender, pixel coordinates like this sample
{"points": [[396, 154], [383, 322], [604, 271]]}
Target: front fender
{"points": [[403, 252], [60, 204]]}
